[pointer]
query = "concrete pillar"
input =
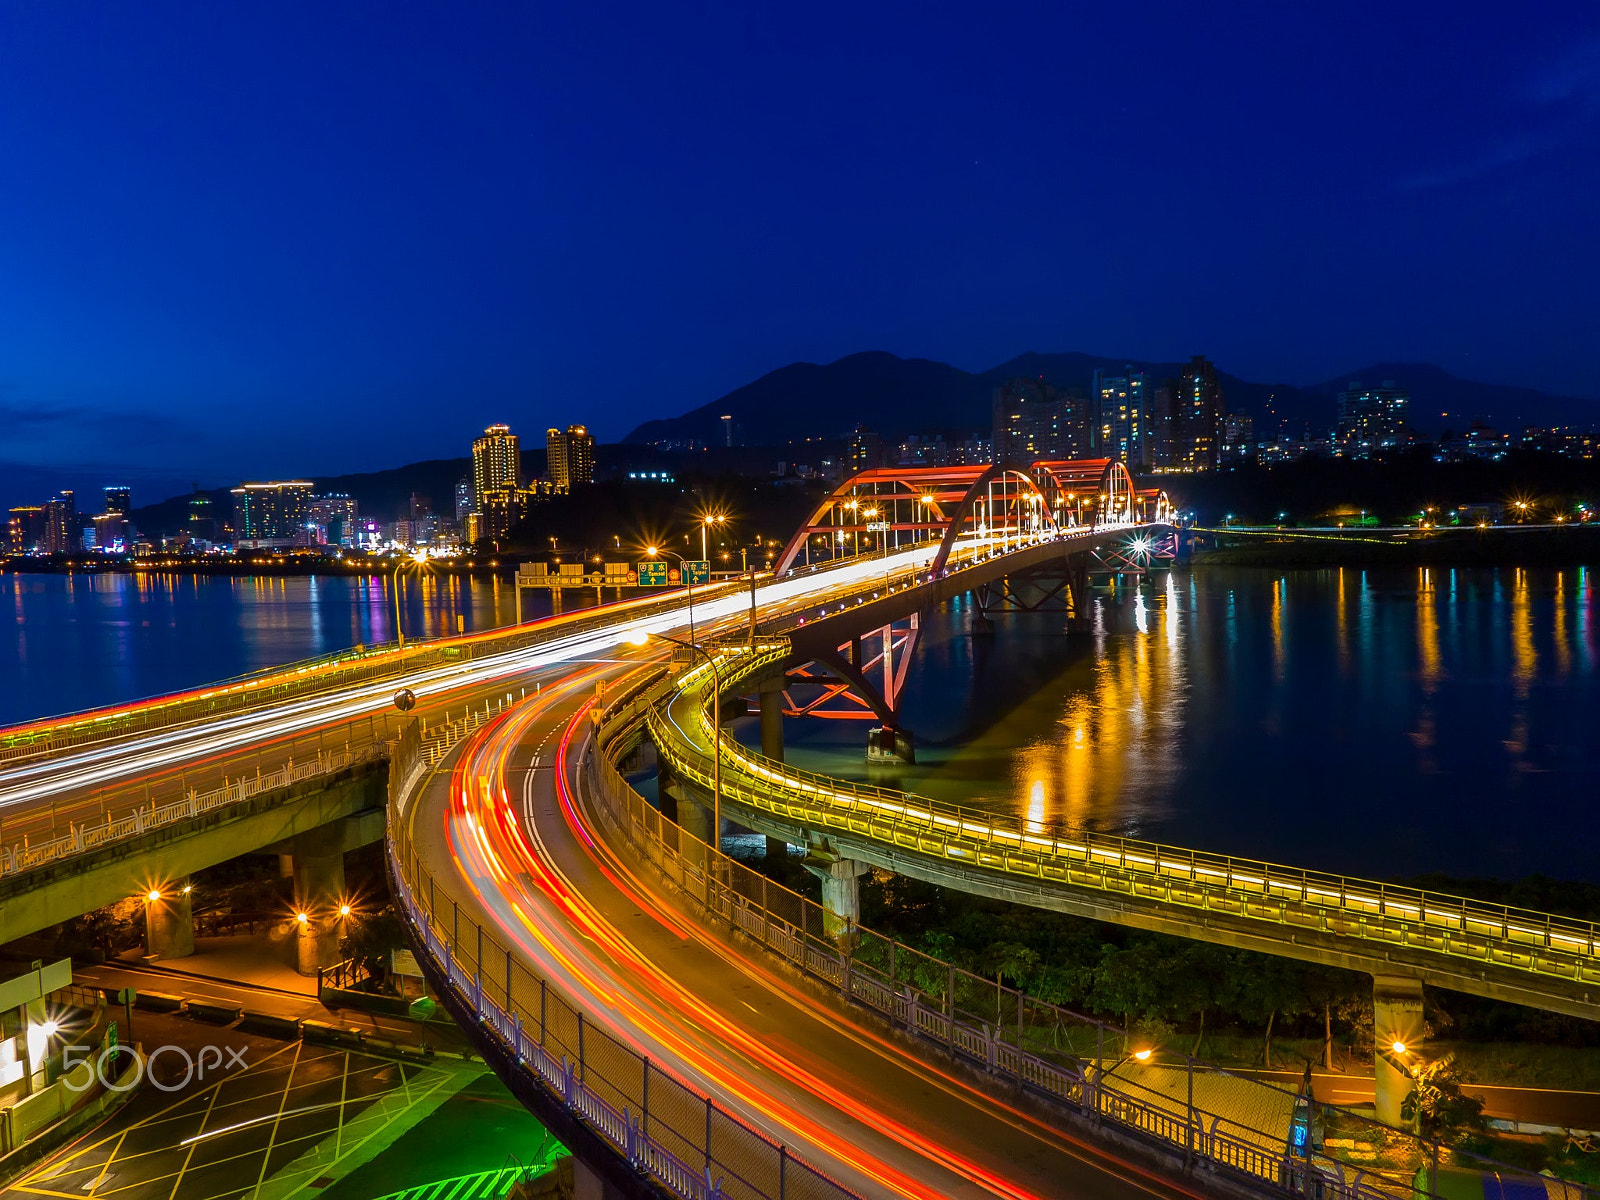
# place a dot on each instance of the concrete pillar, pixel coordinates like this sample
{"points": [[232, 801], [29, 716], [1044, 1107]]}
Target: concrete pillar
{"points": [[169, 922], [841, 894], [589, 1184], [1396, 1034], [318, 892], [887, 746], [772, 743], [694, 819]]}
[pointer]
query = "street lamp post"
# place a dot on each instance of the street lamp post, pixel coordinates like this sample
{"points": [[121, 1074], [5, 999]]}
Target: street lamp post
{"points": [[651, 552], [716, 733], [706, 523]]}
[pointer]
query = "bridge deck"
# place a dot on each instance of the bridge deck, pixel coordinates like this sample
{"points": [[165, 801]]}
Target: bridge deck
{"points": [[1506, 953]]}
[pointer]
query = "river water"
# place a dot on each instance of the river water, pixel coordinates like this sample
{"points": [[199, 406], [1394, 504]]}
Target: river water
{"points": [[1382, 722], [1390, 723]]}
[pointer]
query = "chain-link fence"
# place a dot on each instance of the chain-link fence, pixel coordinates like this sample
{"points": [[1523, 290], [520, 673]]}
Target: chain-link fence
{"points": [[1252, 1130], [676, 1135]]}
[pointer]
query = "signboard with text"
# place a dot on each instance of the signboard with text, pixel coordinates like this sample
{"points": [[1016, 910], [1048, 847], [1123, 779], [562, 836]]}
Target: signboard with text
{"points": [[652, 574], [696, 571]]}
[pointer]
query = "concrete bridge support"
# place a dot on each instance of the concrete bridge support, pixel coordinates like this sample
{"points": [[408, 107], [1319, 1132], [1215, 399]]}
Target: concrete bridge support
{"points": [[841, 892], [888, 746], [694, 819], [169, 921], [1396, 1033], [318, 891], [772, 743]]}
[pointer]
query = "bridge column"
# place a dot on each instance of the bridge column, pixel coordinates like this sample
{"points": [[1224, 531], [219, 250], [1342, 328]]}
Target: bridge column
{"points": [[318, 892], [589, 1184], [772, 743], [841, 893], [1396, 1022], [889, 745], [169, 922]]}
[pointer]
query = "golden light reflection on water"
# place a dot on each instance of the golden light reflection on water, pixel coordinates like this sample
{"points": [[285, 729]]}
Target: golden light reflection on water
{"points": [[1109, 758], [1427, 630], [1525, 659]]}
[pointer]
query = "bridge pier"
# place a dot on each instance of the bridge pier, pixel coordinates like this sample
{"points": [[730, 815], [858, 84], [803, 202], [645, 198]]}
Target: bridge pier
{"points": [[886, 745], [772, 743], [169, 922], [1396, 1033], [318, 892], [589, 1184], [841, 892]]}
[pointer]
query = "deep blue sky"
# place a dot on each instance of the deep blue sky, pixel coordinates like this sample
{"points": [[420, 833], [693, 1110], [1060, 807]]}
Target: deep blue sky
{"points": [[249, 240]]}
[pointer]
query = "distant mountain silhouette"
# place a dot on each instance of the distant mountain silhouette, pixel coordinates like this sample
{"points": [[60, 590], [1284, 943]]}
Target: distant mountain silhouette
{"points": [[894, 396]]}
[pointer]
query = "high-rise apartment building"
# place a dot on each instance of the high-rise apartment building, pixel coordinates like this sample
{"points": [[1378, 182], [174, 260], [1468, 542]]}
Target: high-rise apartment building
{"points": [[1189, 412], [1033, 420], [202, 525], [1372, 418], [119, 500], [863, 449], [335, 518], [271, 514], [496, 461], [569, 457], [464, 499], [1119, 417], [25, 528], [61, 525]]}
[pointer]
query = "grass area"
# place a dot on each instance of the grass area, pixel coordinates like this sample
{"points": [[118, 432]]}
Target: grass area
{"points": [[1525, 1064], [480, 1128]]}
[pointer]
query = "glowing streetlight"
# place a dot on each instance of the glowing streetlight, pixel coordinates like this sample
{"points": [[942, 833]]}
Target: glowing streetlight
{"points": [[153, 896], [706, 523]]}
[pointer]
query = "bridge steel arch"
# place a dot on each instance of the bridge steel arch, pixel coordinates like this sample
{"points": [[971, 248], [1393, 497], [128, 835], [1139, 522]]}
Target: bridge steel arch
{"points": [[1100, 489], [1027, 495], [919, 504]]}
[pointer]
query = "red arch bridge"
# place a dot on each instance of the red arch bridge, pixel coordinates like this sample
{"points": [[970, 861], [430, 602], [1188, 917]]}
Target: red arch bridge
{"points": [[1018, 537]]}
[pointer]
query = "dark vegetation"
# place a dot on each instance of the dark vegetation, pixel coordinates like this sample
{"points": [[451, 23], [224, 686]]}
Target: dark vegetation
{"points": [[1322, 490], [1184, 993]]}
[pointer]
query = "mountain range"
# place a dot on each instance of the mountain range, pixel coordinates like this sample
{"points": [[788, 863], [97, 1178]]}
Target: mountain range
{"points": [[895, 396]]}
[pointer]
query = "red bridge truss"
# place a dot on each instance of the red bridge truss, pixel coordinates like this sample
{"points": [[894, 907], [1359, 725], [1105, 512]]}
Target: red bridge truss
{"points": [[892, 508]]}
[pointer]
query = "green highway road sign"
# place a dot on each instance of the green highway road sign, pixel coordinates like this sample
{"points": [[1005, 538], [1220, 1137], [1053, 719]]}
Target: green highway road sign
{"points": [[697, 570], [652, 574]]}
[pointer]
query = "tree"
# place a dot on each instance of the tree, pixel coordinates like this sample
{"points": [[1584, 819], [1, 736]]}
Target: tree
{"points": [[1436, 1105]]}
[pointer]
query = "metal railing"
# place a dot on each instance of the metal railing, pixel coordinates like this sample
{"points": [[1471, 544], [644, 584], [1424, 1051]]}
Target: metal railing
{"points": [[671, 1133], [1287, 897], [312, 676], [26, 856], [1000, 1029]]}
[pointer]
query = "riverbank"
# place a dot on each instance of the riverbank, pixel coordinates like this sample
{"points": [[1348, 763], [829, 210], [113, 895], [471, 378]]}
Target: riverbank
{"points": [[229, 566], [1499, 546]]}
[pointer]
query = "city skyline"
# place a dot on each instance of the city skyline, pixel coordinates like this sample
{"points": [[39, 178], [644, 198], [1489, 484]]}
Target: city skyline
{"points": [[223, 241]]}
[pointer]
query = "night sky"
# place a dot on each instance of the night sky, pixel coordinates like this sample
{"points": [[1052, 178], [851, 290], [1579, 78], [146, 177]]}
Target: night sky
{"points": [[265, 240]]}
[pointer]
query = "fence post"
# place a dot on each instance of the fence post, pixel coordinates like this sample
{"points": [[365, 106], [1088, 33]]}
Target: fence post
{"points": [[950, 1006], [708, 1137]]}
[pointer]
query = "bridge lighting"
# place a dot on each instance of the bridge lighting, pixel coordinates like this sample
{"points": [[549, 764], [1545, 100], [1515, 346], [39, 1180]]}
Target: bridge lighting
{"points": [[302, 918], [344, 910], [153, 896], [1398, 1047], [187, 888], [1142, 1055]]}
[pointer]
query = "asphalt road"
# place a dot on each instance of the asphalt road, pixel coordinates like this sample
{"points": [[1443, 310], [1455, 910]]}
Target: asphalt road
{"points": [[789, 1061]]}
